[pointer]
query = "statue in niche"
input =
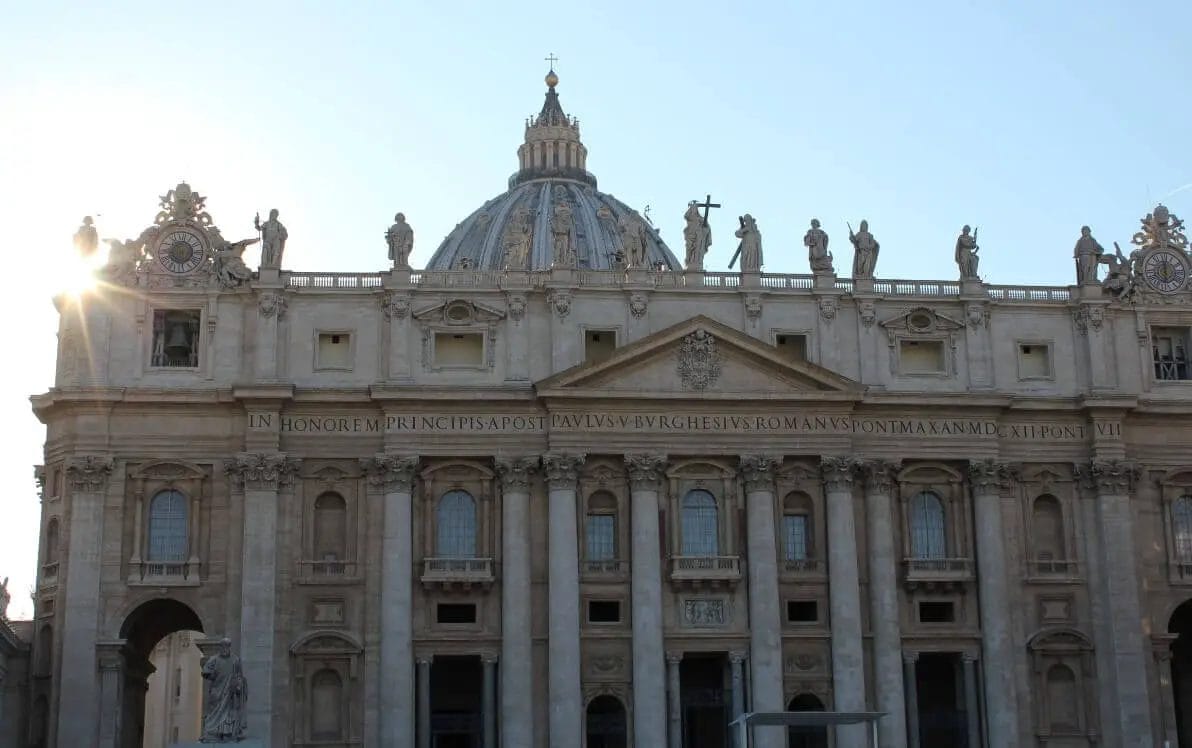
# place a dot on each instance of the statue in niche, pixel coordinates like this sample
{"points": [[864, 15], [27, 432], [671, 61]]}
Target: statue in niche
{"points": [[562, 223], [224, 719], [633, 240], [86, 239], [228, 258], [697, 235], [400, 238], [750, 248], [816, 241], [865, 249], [273, 240], [1088, 255], [966, 254], [518, 240]]}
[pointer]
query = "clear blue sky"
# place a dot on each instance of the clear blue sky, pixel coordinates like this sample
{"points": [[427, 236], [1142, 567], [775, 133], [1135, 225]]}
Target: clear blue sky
{"points": [[1026, 119]]}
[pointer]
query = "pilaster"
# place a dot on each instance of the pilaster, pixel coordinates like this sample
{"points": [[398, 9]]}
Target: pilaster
{"points": [[396, 307]]}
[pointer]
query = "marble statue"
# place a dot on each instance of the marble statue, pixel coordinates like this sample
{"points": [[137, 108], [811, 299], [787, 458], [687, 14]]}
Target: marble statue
{"points": [[1119, 278], [224, 717], [865, 249], [561, 224], [633, 239], [86, 239], [228, 258], [1161, 228], [518, 240], [400, 238], [697, 235], [750, 248], [124, 257], [816, 241], [273, 240], [966, 254], [1088, 255]]}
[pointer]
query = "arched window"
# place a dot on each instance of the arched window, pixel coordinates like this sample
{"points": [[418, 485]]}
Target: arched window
{"points": [[330, 528], [1047, 529], [167, 527], [456, 525], [806, 737], [600, 527], [1181, 520], [927, 527], [605, 723], [326, 702], [1061, 699], [52, 541], [700, 524]]}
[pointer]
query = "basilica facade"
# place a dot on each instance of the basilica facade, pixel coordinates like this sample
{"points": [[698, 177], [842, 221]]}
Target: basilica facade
{"points": [[560, 489]]}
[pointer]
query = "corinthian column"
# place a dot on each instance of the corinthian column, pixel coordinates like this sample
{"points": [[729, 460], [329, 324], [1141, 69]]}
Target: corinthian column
{"points": [[260, 476], [517, 679], [566, 699], [649, 670], [394, 476], [1118, 591], [765, 623], [844, 597], [987, 478], [78, 673], [883, 603]]}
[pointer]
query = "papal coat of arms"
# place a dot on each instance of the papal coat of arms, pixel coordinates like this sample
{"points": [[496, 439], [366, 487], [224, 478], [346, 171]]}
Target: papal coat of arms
{"points": [[699, 361]]}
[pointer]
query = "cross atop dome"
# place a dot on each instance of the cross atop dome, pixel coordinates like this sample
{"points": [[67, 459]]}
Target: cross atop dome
{"points": [[552, 147]]}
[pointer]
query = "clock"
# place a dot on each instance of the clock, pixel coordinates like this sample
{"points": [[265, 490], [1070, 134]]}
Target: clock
{"points": [[180, 250], [1165, 270]]}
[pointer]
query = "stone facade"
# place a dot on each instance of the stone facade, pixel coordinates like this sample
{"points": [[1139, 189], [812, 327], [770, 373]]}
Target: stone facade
{"points": [[438, 503]]}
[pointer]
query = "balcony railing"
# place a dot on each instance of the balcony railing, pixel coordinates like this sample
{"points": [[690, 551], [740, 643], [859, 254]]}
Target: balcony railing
{"points": [[164, 573], [802, 566], [937, 571], [604, 568], [705, 570], [1048, 567], [464, 572], [49, 573], [334, 280], [328, 569]]}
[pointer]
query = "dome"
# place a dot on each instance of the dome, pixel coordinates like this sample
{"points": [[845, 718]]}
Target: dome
{"points": [[514, 230]]}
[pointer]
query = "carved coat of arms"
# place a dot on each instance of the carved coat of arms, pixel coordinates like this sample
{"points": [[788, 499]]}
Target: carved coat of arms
{"points": [[699, 361]]}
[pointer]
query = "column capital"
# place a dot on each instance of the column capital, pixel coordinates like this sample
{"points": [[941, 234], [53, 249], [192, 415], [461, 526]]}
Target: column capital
{"points": [[561, 468], [1109, 476], [489, 658], [969, 657], [839, 472], [991, 476], [424, 659], [674, 658], [758, 471], [391, 473], [645, 470], [1161, 645], [262, 470], [910, 658], [737, 656], [515, 472], [89, 472], [880, 475], [110, 654]]}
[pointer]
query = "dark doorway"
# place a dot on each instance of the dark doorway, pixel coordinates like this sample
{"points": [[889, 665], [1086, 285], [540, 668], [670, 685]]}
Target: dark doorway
{"points": [[942, 721], [142, 630], [806, 737], [1181, 671], [605, 726], [456, 697], [704, 699]]}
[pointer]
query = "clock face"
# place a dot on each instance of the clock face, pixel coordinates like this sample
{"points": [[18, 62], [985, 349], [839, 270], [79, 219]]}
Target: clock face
{"points": [[180, 251], [1165, 271]]}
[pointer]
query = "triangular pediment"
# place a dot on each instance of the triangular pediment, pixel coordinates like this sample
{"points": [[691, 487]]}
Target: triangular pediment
{"points": [[700, 358]]}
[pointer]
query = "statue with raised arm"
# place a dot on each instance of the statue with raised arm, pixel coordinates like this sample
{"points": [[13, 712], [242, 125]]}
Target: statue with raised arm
{"points": [[561, 224], [816, 241], [1119, 278], [228, 260], [750, 248], [865, 249], [697, 235], [966, 254], [400, 238], [518, 240], [273, 240], [1088, 255], [224, 718], [633, 240], [86, 239]]}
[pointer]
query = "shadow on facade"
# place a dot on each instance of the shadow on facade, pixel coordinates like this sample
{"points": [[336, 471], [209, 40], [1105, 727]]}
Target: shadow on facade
{"points": [[142, 630]]}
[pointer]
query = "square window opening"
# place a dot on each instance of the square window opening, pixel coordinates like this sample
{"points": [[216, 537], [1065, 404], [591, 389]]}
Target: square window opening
{"points": [[599, 345], [1169, 349], [1034, 361], [791, 347], [604, 611], [459, 349], [936, 611], [921, 357], [334, 350], [455, 613], [802, 611], [176, 338]]}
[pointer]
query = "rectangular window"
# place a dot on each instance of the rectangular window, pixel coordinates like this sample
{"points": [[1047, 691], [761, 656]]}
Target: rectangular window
{"points": [[936, 611], [791, 347], [794, 537], [1169, 348], [1034, 361], [455, 613], [334, 351], [459, 349], [176, 338], [604, 611], [601, 537], [599, 345], [921, 357], [802, 611]]}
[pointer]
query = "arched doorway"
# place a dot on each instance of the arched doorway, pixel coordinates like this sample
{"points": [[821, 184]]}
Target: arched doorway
{"points": [[1181, 670], [806, 737], [144, 628], [605, 726]]}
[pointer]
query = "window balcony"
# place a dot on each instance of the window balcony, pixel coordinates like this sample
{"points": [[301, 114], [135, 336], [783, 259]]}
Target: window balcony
{"points": [[802, 567], [937, 573], [164, 573], [1052, 570], [700, 571], [463, 573], [608, 569], [1179, 571], [328, 571]]}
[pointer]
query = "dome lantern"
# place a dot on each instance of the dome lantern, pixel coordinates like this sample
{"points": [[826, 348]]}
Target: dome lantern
{"points": [[552, 146]]}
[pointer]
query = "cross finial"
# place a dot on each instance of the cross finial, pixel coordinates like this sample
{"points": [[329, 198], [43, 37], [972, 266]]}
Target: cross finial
{"points": [[552, 60]]}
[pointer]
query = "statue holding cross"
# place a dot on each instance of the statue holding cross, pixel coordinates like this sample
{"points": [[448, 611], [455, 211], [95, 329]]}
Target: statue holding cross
{"points": [[697, 234]]}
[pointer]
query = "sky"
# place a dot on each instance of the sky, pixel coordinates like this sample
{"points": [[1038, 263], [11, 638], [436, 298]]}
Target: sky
{"points": [[1023, 118]]}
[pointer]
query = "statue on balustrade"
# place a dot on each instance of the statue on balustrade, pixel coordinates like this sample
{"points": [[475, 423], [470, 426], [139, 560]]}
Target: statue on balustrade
{"points": [[224, 718], [816, 241], [86, 239], [966, 254], [750, 248], [400, 238], [1088, 255], [865, 249], [1119, 278], [273, 240], [697, 235], [229, 267]]}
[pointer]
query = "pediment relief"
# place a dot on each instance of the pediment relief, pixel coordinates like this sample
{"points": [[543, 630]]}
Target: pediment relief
{"points": [[1046, 477], [458, 312], [921, 320]]}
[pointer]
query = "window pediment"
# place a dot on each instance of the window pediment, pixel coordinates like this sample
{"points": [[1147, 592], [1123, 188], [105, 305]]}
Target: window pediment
{"points": [[318, 642], [458, 312], [168, 470], [921, 320]]}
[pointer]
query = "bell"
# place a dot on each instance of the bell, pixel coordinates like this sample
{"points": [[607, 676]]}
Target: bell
{"points": [[178, 342]]}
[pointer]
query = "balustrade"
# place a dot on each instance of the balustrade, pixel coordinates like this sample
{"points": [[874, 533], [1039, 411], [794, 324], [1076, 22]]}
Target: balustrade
{"points": [[699, 570], [448, 572]]}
